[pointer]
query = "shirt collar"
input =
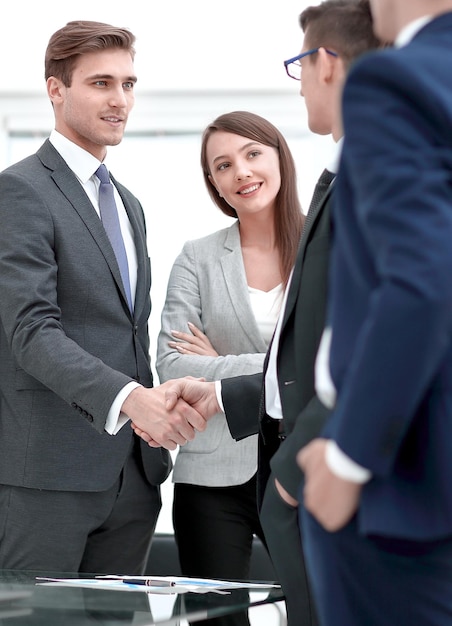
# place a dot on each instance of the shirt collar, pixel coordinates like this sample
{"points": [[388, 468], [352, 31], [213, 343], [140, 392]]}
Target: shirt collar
{"points": [[81, 162], [333, 164], [411, 30]]}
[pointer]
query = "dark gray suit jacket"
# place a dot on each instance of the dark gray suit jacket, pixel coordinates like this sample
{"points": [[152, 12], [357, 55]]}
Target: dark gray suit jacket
{"points": [[68, 342], [303, 324]]}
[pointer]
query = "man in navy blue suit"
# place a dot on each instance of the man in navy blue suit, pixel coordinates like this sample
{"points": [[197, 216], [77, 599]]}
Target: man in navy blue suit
{"points": [[377, 514]]}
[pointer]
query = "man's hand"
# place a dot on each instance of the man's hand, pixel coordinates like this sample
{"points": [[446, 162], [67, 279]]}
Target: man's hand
{"points": [[285, 495], [330, 499], [196, 392], [158, 422]]}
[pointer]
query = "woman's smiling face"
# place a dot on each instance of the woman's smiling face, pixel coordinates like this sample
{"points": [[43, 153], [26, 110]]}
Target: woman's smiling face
{"points": [[245, 173]]}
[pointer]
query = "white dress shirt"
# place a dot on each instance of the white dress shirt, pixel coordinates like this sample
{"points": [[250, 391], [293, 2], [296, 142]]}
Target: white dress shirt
{"points": [[266, 306]]}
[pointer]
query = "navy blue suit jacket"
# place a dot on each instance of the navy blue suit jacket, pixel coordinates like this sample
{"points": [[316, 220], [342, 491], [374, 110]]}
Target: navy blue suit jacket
{"points": [[390, 303]]}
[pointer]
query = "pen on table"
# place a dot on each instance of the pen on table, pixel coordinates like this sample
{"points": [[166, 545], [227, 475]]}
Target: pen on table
{"points": [[149, 582]]}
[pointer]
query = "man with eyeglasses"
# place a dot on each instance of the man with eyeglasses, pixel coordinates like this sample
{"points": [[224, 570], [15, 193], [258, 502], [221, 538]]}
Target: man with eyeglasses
{"points": [[377, 516], [336, 32]]}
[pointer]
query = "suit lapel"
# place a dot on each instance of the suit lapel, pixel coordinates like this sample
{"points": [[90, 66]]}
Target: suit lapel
{"points": [[235, 279], [70, 187], [142, 256], [311, 219]]}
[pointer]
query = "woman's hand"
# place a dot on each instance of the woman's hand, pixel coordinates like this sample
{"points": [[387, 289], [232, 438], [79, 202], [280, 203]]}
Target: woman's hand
{"points": [[195, 342]]}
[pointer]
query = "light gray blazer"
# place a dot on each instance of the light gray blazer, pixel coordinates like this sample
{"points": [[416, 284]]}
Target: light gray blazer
{"points": [[207, 286]]}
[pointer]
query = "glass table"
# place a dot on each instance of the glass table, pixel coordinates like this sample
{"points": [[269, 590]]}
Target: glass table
{"points": [[23, 602]]}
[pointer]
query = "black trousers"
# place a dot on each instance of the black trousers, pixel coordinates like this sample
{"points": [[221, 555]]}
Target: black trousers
{"points": [[280, 523], [214, 528], [65, 531]]}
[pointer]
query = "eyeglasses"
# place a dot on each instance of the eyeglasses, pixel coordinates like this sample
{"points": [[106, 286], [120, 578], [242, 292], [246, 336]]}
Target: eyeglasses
{"points": [[293, 65]]}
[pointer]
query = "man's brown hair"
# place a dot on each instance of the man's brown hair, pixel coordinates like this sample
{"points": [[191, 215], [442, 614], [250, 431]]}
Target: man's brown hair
{"points": [[343, 26], [81, 37]]}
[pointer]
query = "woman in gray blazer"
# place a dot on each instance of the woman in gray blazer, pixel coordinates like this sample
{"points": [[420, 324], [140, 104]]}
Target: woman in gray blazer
{"points": [[224, 295]]}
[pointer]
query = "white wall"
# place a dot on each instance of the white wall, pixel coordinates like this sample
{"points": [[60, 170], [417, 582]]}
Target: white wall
{"points": [[180, 45]]}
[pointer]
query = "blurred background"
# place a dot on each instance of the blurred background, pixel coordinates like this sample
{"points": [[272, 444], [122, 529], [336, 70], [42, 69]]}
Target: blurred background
{"points": [[195, 60]]}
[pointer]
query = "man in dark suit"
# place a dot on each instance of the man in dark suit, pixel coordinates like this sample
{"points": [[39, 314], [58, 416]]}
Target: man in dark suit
{"points": [[335, 34], [377, 522], [74, 352]]}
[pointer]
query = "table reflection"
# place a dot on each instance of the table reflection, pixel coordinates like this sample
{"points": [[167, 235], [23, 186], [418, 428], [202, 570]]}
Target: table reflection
{"points": [[31, 604]]}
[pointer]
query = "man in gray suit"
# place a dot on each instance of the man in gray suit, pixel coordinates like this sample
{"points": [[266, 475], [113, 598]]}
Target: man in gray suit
{"points": [[78, 491]]}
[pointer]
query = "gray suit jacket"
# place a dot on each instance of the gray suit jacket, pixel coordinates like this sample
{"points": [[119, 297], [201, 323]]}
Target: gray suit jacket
{"points": [[207, 287], [68, 342]]}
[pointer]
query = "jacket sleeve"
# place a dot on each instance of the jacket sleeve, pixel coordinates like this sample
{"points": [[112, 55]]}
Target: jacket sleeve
{"points": [[45, 355], [186, 302], [241, 397]]}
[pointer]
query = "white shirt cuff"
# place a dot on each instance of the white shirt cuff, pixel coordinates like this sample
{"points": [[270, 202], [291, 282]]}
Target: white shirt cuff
{"points": [[218, 394], [343, 466], [324, 386], [116, 419]]}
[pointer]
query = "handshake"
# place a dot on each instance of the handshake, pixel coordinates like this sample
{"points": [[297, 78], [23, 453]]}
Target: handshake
{"points": [[170, 415]]}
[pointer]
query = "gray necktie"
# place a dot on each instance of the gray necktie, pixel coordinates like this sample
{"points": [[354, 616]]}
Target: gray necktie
{"points": [[110, 220]]}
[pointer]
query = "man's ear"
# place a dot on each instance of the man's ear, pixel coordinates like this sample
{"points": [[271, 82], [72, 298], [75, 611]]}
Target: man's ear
{"points": [[328, 65], [55, 89]]}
